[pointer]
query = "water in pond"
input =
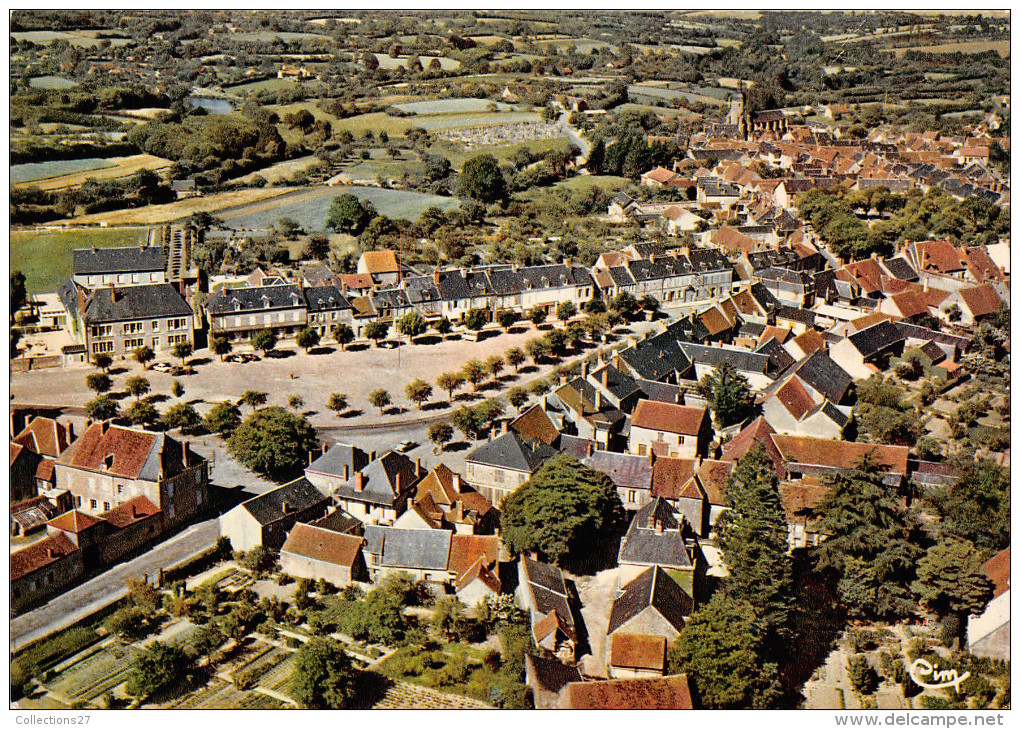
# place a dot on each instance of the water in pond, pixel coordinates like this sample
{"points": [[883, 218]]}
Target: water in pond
{"points": [[213, 106]]}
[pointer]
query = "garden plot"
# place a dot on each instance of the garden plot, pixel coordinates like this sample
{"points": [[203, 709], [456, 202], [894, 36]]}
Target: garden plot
{"points": [[94, 675], [408, 696], [278, 678], [217, 694], [260, 664]]}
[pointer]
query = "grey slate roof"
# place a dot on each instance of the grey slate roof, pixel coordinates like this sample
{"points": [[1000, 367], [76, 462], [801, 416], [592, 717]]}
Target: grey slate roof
{"points": [[820, 372], [255, 298], [512, 452], [134, 259], [661, 391], [657, 357], [743, 360], [135, 302], [380, 480], [333, 460], [624, 469], [299, 495], [779, 357], [642, 545], [900, 268], [655, 589], [547, 588], [326, 298], [425, 549], [876, 338]]}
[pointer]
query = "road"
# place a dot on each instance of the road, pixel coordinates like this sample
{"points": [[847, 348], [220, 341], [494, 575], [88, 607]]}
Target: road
{"points": [[575, 138], [108, 587]]}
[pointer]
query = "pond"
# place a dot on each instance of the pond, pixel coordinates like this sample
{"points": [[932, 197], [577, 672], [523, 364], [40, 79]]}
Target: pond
{"points": [[213, 106]]}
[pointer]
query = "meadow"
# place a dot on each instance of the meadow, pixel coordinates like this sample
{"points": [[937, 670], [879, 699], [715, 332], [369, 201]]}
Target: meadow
{"points": [[56, 178], [1000, 47], [154, 214], [309, 207], [389, 63], [452, 106], [45, 257], [476, 120], [51, 82], [32, 171], [82, 38]]}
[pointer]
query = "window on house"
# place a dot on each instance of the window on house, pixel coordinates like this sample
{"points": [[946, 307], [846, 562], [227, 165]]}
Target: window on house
{"points": [[77, 501], [106, 506], [102, 347], [631, 497], [92, 503]]}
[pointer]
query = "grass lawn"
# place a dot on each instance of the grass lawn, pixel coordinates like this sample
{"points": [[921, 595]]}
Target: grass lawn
{"points": [[458, 155], [61, 174], [454, 668], [390, 168], [282, 170], [1001, 47], [45, 258], [377, 122], [154, 214]]}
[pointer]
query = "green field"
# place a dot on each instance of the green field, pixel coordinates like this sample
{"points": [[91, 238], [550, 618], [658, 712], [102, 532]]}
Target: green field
{"points": [[51, 82], [377, 122], [456, 121], [45, 258], [452, 106], [84, 39], [32, 171], [458, 155], [309, 207]]}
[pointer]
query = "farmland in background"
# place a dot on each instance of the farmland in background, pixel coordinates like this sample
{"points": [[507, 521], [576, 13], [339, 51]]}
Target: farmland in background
{"points": [[51, 82], [170, 212], [113, 168], [452, 106], [309, 207], [45, 258], [32, 171]]}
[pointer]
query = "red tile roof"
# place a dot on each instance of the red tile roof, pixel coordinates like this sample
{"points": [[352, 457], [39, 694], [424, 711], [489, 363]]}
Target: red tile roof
{"points": [[809, 341], [795, 398], [131, 512], [466, 549], [129, 450], [733, 240], [981, 300], [938, 255], [997, 570], [714, 320], [867, 273], [671, 692], [380, 261], [646, 652], [840, 454], [40, 554], [74, 521], [668, 417], [323, 545], [45, 436], [534, 424], [479, 571], [757, 431], [670, 476]]}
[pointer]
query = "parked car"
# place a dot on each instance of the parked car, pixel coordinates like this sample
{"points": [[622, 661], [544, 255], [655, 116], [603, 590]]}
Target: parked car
{"points": [[162, 367], [241, 357], [406, 445]]}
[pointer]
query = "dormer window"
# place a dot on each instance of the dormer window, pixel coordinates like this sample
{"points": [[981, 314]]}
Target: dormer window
{"points": [[108, 462], [265, 301]]}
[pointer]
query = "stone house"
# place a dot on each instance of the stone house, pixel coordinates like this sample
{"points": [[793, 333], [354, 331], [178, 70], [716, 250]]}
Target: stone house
{"points": [[677, 431], [266, 519], [314, 553]]}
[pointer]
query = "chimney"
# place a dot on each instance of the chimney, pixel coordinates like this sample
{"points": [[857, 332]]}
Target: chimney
{"points": [[359, 482], [456, 482], [410, 499], [94, 249], [417, 468], [114, 294], [400, 482], [658, 525], [70, 432], [134, 511], [371, 456], [598, 400], [545, 403], [588, 447], [568, 262], [435, 277], [605, 376], [460, 511], [505, 427], [584, 369], [311, 455], [347, 472]]}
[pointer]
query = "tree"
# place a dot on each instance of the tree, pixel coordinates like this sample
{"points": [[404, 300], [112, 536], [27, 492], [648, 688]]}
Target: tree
{"points": [[649, 304], [324, 675], [475, 319], [377, 331], [862, 676], [98, 382], [411, 325], [102, 362], [183, 416], [223, 418], [183, 350], [507, 318], [19, 294], [101, 407], [379, 399], [450, 381], [468, 421], [317, 247], [221, 346], [870, 544], [157, 668], [536, 315], [137, 386], [624, 304], [348, 214], [566, 310], [728, 394], [264, 340], [337, 402], [753, 536], [517, 396], [473, 372], [562, 512], [976, 506], [288, 227], [343, 335], [176, 388], [482, 180], [143, 355], [440, 434], [720, 651], [494, 364], [295, 402], [273, 442], [253, 399], [950, 580], [307, 338], [419, 392], [539, 387], [537, 348], [443, 326], [142, 413], [515, 357]]}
